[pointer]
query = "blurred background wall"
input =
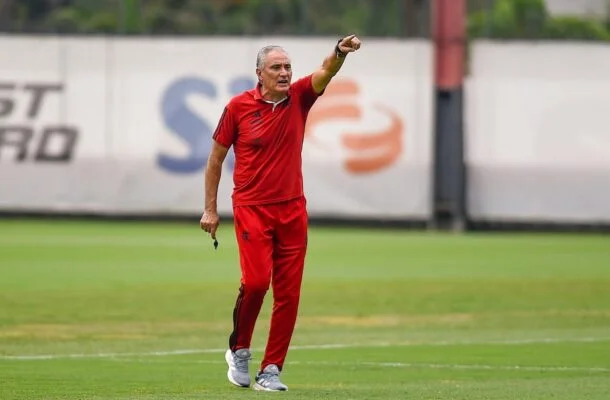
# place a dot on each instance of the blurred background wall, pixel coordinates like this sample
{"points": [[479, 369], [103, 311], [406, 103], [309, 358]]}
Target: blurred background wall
{"points": [[107, 107]]}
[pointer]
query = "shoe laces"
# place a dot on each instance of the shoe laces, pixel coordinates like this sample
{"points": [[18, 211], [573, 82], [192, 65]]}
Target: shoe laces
{"points": [[270, 375], [241, 362]]}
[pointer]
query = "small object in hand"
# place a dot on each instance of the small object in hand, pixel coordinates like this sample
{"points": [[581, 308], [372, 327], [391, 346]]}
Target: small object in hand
{"points": [[215, 244]]}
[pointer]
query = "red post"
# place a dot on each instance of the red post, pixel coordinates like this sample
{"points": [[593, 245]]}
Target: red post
{"points": [[449, 32]]}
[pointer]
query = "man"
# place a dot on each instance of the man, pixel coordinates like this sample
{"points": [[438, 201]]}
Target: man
{"points": [[266, 127]]}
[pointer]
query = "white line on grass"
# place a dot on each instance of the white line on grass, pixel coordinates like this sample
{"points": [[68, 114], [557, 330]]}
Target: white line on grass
{"points": [[166, 353], [529, 368], [382, 364], [26, 357], [474, 366]]}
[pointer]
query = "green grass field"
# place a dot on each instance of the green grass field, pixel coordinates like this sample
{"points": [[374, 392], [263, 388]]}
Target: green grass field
{"points": [[102, 310]]}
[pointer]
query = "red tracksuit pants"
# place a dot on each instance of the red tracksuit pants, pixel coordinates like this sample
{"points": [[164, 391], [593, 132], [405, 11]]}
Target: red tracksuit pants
{"points": [[272, 241]]}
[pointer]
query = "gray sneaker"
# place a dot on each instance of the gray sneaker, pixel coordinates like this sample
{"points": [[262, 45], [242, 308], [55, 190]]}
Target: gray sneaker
{"points": [[269, 380], [238, 373]]}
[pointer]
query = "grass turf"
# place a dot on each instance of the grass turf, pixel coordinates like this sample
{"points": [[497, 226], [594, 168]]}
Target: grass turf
{"points": [[143, 311]]}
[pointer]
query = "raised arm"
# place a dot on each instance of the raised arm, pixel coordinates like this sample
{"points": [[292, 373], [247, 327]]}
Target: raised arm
{"points": [[333, 62]]}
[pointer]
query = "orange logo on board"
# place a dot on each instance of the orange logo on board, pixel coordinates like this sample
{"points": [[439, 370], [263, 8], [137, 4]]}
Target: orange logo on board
{"points": [[369, 151]]}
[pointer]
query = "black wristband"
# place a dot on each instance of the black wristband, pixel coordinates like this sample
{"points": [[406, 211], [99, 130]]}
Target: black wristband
{"points": [[338, 51]]}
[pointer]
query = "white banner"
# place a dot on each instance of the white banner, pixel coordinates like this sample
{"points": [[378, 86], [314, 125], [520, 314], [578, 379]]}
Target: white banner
{"points": [[124, 125], [538, 132]]}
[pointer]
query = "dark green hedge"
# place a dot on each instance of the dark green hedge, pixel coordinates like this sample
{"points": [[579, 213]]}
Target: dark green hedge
{"points": [[529, 19], [507, 19]]}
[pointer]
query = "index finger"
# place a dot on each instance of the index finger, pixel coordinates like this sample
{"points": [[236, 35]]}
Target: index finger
{"points": [[349, 37]]}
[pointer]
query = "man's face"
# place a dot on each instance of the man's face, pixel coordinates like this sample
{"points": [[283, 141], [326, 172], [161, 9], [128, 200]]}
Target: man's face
{"points": [[276, 73]]}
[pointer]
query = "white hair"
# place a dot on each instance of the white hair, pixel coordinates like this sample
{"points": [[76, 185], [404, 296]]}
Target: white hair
{"points": [[261, 57]]}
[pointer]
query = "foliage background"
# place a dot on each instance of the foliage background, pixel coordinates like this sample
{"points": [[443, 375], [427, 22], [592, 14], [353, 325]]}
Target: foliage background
{"points": [[498, 19]]}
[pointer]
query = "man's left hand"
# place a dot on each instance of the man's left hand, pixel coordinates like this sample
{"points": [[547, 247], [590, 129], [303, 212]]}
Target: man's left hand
{"points": [[349, 44]]}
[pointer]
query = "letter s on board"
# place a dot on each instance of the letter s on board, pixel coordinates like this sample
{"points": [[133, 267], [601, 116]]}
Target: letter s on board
{"points": [[195, 130]]}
